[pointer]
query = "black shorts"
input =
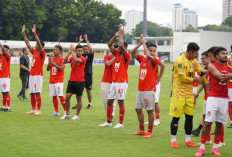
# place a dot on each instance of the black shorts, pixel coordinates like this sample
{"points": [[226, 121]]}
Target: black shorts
{"points": [[75, 87], [88, 81]]}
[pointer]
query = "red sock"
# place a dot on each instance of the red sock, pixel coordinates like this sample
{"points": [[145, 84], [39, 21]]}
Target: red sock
{"points": [[150, 128], [109, 112], [8, 100], [55, 103], [222, 136], [230, 110], [209, 136], [203, 139], [157, 115], [217, 138], [33, 102], [141, 127], [121, 113], [62, 101], [38, 98], [4, 100]]}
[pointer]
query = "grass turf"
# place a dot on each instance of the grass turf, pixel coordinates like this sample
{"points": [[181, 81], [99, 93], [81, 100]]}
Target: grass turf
{"points": [[43, 135]]}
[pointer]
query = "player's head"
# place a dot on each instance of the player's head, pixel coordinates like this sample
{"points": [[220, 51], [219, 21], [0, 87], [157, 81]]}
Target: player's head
{"points": [[115, 46], [220, 54], [152, 48], [6, 48], [211, 55], [192, 50], [79, 50], [85, 49], [204, 58], [57, 50], [25, 51], [125, 44], [37, 45]]}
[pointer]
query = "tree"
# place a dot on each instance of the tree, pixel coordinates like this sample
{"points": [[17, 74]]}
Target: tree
{"points": [[228, 21], [153, 29], [190, 29], [221, 28]]}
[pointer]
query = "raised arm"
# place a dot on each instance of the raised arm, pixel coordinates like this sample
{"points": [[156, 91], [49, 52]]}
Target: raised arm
{"points": [[67, 56], [146, 51], [88, 43], [37, 38], [80, 40], [25, 38], [121, 42], [3, 50], [108, 63], [74, 55], [133, 52], [111, 42]]}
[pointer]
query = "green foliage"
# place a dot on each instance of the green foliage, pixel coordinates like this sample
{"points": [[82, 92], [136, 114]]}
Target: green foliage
{"points": [[153, 30], [221, 28], [190, 29], [228, 21], [62, 20]]}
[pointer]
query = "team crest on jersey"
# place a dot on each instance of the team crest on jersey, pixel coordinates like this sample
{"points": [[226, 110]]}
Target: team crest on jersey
{"points": [[179, 66], [143, 74], [175, 109], [208, 113], [117, 65]]}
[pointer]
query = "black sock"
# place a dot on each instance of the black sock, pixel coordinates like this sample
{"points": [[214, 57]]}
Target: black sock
{"points": [[200, 127]]}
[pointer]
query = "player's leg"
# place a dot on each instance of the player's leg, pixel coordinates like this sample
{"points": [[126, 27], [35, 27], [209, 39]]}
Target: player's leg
{"points": [[217, 138], [157, 106], [88, 86], [38, 102], [230, 106], [20, 95], [59, 93], [139, 112], [188, 130], [5, 88]]}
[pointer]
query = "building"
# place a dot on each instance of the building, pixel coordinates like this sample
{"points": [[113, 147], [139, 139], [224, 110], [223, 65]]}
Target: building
{"points": [[177, 17], [190, 18], [132, 18], [182, 18], [226, 9]]}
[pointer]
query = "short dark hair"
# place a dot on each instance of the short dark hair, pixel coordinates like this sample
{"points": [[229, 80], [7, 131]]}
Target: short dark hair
{"points": [[151, 45], [192, 47], [24, 49], [218, 50], [205, 53], [210, 50], [85, 46], [59, 47], [78, 46], [6, 46], [125, 44], [42, 43], [115, 46]]}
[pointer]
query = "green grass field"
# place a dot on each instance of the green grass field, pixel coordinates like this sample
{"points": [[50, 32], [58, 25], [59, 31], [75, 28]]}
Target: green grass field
{"points": [[43, 135]]}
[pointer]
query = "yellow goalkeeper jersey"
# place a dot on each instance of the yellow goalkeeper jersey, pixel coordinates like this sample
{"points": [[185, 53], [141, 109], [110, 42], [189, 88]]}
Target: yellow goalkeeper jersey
{"points": [[183, 76]]}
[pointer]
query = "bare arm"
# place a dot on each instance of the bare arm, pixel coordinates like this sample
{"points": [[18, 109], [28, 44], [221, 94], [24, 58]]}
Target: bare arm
{"points": [[121, 42], [80, 40], [74, 55], [25, 39], [200, 88], [162, 67], [133, 52], [3, 50], [213, 70], [111, 42], [37, 38], [24, 68], [108, 63], [88, 43], [66, 57]]}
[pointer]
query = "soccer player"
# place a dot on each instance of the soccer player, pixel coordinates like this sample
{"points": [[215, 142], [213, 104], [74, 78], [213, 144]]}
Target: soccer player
{"points": [[24, 74], [205, 61], [229, 64], [5, 77], [36, 73], [56, 67], [217, 102], [119, 79], [89, 55], [107, 80], [147, 85], [182, 92], [76, 82]]}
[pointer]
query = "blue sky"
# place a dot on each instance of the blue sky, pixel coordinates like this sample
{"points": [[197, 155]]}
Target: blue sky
{"points": [[160, 11]]}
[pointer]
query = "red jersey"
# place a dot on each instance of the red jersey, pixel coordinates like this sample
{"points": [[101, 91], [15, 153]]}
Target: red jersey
{"points": [[5, 65], [147, 74], [77, 73], [229, 81], [218, 88], [56, 75], [37, 62], [107, 76], [120, 66]]}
